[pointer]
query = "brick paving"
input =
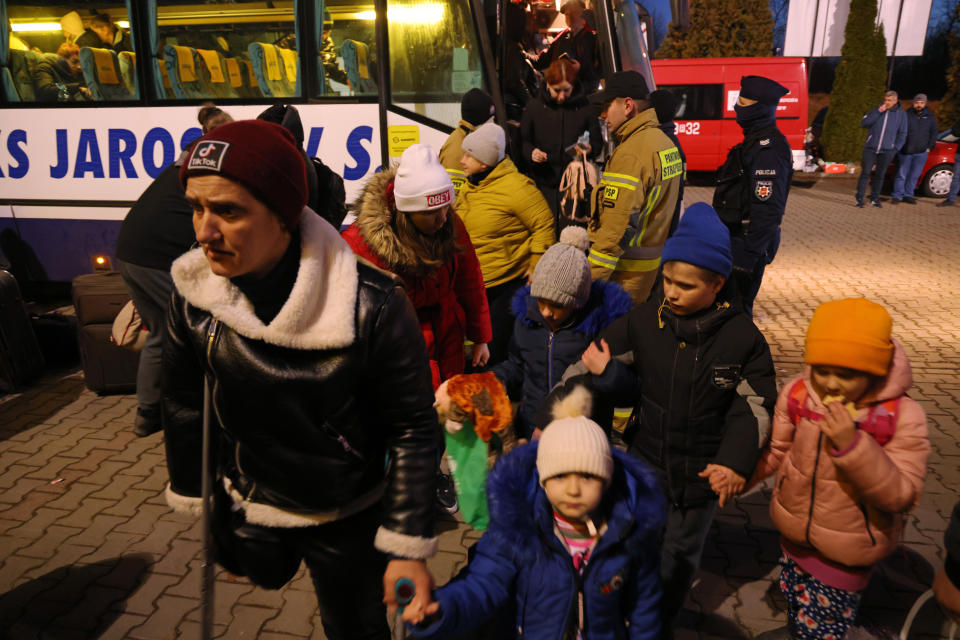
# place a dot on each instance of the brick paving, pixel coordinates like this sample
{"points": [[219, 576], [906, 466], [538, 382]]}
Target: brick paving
{"points": [[88, 548]]}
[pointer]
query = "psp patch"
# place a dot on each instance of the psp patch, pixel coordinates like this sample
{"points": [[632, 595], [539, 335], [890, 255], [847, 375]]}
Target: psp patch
{"points": [[726, 376], [610, 193], [764, 189], [209, 155]]}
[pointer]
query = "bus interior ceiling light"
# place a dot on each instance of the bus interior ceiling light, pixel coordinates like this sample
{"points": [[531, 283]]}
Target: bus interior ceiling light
{"points": [[426, 13], [27, 27]]}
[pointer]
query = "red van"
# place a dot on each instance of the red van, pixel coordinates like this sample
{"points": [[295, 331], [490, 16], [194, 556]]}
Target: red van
{"points": [[707, 89]]}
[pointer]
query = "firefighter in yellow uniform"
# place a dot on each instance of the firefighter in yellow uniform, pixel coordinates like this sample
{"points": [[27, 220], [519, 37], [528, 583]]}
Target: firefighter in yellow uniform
{"points": [[476, 108], [635, 201]]}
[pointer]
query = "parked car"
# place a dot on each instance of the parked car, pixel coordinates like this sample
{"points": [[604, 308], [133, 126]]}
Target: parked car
{"points": [[938, 171]]}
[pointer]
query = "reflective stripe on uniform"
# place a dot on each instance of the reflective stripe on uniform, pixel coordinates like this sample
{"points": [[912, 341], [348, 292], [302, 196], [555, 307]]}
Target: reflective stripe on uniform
{"points": [[622, 413], [645, 215], [602, 259], [456, 173], [638, 265], [619, 180]]}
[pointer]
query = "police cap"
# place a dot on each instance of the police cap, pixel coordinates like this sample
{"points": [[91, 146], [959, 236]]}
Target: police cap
{"points": [[622, 84], [763, 90]]}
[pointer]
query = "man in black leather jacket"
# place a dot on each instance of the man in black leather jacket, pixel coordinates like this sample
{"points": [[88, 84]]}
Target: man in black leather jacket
{"points": [[322, 398]]}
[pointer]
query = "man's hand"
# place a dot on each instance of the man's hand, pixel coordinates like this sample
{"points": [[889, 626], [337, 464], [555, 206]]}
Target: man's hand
{"points": [[724, 481], [538, 156], [481, 354], [882, 107], [415, 570], [947, 595], [596, 359], [837, 425]]}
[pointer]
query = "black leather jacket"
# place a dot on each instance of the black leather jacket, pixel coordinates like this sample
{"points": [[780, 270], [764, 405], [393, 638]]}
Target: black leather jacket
{"points": [[313, 432]]}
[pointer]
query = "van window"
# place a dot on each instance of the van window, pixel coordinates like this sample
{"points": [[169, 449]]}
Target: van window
{"points": [[434, 56], [697, 101], [244, 49], [347, 55], [59, 54]]}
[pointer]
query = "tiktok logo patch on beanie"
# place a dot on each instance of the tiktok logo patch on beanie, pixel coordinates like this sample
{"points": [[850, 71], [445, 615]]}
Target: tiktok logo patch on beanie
{"points": [[208, 155]]}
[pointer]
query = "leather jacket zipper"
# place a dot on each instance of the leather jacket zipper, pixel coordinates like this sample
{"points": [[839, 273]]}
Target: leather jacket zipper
{"points": [[813, 486], [339, 437]]}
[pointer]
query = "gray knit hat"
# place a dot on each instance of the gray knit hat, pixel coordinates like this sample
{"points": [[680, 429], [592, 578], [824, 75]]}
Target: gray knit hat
{"points": [[488, 144], [562, 275], [920, 97]]}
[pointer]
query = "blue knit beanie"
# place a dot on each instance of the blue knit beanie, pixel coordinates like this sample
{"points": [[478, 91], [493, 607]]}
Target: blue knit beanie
{"points": [[701, 239]]}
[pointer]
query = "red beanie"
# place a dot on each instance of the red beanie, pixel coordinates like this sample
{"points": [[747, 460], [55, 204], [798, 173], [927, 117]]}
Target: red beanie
{"points": [[261, 156]]}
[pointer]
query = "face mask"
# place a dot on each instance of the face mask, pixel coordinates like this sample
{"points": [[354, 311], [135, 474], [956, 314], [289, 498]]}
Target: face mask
{"points": [[755, 114]]}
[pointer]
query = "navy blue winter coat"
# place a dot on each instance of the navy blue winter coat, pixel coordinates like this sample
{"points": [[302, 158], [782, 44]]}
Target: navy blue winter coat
{"points": [[521, 558], [538, 357], [887, 129], [921, 131]]}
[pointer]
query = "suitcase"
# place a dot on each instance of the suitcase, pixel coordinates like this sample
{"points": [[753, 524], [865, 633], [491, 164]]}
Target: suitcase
{"points": [[20, 357], [107, 368], [56, 331]]}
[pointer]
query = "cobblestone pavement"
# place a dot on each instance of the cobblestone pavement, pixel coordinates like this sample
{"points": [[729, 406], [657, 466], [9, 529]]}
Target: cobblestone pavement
{"points": [[89, 549]]}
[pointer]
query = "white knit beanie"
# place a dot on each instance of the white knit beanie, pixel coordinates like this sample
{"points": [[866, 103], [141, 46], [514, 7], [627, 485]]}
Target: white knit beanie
{"points": [[573, 443], [488, 144], [422, 184], [562, 274]]}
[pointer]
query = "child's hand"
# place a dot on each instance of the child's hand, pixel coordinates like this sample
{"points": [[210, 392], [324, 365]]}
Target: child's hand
{"points": [[481, 354], [838, 425], [596, 359], [724, 481], [416, 615]]}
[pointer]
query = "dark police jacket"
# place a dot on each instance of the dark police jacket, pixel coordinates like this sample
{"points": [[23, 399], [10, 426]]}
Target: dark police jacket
{"points": [[921, 131], [702, 387], [751, 195], [310, 406]]}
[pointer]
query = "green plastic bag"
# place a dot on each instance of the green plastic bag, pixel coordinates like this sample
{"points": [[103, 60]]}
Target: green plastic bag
{"points": [[467, 455]]}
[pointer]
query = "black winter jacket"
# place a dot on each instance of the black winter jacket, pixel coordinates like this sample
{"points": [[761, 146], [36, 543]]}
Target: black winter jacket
{"points": [[50, 75], [538, 357], [553, 127], [951, 542], [702, 387], [921, 131], [311, 405]]}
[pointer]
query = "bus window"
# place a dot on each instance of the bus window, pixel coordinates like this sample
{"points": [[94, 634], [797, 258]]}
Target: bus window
{"points": [[697, 101], [434, 56], [347, 56], [241, 49], [68, 53]]}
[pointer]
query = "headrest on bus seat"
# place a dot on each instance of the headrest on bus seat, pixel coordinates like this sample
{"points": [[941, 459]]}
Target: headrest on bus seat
{"points": [[233, 72], [212, 61], [106, 70], [289, 63], [185, 66], [270, 61], [165, 75], [251, 74], [128, 54]]}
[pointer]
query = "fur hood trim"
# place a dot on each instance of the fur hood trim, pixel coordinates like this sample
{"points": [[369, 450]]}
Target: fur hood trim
{"points": [[320, 312], [607, 302], [375, 223], [520, 511]]}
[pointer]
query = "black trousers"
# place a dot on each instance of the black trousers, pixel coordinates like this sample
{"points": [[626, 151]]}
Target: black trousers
{"points": [[683, 542], [882, 161], [502, 320], [347, 574]]}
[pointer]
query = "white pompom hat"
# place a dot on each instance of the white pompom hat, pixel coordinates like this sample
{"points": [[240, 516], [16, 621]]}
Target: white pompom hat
{"points": [[422, 184]]}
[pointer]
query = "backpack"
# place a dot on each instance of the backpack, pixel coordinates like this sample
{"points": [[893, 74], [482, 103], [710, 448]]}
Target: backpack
{"points": [[576, 185], [881, 421]]}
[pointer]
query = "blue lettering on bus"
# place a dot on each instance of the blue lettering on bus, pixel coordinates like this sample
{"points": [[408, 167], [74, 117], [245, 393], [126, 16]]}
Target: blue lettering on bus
{"points": [[88, 155], [189, 136], [59, 170], [121, 145], [17, 137], [313, 141], [358, 153], [154, 136]]}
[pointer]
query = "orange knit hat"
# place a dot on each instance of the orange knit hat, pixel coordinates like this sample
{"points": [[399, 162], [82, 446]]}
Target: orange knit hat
{"points": [[852, 333]]}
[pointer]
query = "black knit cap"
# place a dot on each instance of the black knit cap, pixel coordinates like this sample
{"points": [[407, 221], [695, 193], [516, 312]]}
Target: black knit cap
{"points": [[665, 104], [763, 90], [476, 107]]}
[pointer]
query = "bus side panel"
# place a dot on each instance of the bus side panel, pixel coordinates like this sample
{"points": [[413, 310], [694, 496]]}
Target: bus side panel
{"points": [[65, 248]]}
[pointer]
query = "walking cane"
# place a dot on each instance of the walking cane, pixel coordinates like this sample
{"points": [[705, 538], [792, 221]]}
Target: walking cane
{"points": [[208, 471]]}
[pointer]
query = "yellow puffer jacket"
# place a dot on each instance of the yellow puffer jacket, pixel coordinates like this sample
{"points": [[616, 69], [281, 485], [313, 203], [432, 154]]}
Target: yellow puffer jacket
{"points": [[509, 222], [452, 151]]}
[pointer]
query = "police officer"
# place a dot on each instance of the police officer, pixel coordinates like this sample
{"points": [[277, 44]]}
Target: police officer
{"points": [[639, 188], [753, 183]]}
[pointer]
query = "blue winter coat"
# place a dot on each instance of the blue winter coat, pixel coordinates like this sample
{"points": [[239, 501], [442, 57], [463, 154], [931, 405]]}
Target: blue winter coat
{"points": [[526, 372], [887, 129], [921, 131], [521, 558]]}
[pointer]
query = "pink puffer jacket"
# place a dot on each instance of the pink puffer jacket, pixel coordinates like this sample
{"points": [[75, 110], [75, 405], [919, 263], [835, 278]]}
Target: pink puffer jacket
{"points": [[859, 497]]}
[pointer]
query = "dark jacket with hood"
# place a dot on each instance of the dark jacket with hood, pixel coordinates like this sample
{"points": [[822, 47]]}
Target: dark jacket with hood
{"points": [[520, 558], [450, 300], [921, 131], [702, 387], [309, 406], [52, 73], [552, 127], [538, 356]]}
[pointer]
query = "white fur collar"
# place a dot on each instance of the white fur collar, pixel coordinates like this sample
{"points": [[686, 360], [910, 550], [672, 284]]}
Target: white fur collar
{"points": [[319, 314]]}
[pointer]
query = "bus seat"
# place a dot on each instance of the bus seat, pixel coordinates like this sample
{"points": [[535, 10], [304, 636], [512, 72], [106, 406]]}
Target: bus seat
{"points": [[211, 65], [250, 78], [289, 66], [355, 64], [186, 80], [164, 88], [19, 85], [128, 70], [266, 61], [101, 72]]}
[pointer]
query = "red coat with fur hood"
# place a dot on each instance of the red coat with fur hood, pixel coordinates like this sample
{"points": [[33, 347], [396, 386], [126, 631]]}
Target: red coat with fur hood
{"points": [[859, 496], [451, 300]]}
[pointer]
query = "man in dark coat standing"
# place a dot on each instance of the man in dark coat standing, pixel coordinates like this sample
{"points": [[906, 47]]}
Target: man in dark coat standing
{"points": [[887, 126], [921, 138], [753, 184]]}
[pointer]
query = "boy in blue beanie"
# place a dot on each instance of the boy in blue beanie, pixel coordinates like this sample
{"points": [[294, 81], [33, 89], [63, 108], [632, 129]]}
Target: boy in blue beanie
{"points": [[701, 382]]}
